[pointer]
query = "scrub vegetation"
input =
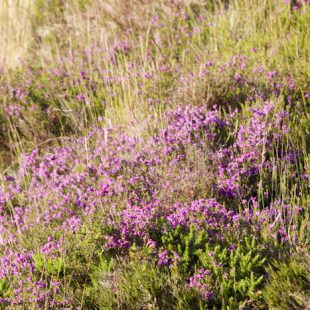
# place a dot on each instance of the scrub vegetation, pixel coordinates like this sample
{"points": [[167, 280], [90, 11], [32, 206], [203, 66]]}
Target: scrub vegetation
{"points": [[155, 155]]}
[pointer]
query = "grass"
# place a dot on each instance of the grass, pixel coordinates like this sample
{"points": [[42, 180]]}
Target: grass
{"points": [[15, 27], [154, 156]]}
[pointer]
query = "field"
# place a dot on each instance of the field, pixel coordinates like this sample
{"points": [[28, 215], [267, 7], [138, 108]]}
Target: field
{"points": [[154, 154]]}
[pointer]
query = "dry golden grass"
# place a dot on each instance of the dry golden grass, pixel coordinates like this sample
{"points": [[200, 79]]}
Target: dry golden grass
{"points": [[98, 22], [15, 30]]}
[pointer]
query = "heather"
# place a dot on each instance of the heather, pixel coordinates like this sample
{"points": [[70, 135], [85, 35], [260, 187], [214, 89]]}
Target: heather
{"points": [[163, 167]]}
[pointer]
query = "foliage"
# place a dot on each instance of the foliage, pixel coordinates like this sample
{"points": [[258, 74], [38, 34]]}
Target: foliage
{"points": [[167, 168], [289, 284]]}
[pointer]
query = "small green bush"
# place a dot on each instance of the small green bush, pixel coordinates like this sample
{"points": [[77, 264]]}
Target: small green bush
{"points": [[288, 287]]}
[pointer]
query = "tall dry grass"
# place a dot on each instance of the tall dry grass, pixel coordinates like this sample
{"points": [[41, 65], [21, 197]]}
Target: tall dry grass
{"points": [[15, 30], [45, 30]]}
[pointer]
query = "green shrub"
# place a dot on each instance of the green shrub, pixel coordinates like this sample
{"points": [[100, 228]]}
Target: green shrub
{"points": [[289, 284]]}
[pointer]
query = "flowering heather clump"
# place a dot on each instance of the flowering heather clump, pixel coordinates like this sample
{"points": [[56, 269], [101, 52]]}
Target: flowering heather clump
{"points": [[160, 170]]}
